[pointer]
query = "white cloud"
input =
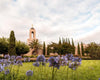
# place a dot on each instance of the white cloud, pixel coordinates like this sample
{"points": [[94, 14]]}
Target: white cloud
{"points": [[51, 18]]}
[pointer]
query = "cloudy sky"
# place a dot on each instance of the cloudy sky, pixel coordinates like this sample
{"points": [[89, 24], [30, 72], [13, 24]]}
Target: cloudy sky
{"points": [[78, 19]]}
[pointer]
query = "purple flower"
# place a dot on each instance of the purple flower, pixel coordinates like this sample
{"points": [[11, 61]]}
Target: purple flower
{"points": [[99, 78], [7, 63], [25, 59], [7, 56], [13, 57], [1, 68], [19, 62], [73, 65], [28, 59], [36, 64], [29, 73], [40, 58], [18, 58], [53, 62], [69, 56], [76, 59], [7, 71], [1, 61], [13, 62], [0, 64]]}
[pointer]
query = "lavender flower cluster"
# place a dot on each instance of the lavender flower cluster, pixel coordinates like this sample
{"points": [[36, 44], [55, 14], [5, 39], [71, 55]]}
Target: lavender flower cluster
{"points": [[8, 61], [67, 60], [55, 62]]}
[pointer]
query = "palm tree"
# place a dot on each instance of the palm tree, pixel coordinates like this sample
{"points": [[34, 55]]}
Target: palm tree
{"points": [[35, 44]]}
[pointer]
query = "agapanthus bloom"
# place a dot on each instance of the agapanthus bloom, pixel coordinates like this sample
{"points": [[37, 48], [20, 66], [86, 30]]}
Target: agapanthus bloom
{"points": [[25, 59], [1, 68], [7, 71], [69, 56], [76, 59], [40, 58], [1, 61], [12, 62], [36, 64], [64, 60], [54, 62], [7, 56], [74, 65], [28, 59], [13, 58], [0, 64], [7, 63], [19, 62], [29, 73], [18, 58]]}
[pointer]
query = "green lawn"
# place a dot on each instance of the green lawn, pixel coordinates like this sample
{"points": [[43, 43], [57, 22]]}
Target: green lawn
{"points": [[89, 70]]}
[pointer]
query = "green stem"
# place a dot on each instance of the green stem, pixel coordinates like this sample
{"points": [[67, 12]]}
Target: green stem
{"points": [[53, 74], [77, 75], [67, 72]]}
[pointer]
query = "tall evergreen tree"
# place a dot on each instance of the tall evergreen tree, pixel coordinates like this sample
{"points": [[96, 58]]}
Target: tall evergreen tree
{"points": [[12, 40], [48, 50], [63, 41], [82, 49], [69, 41], [44, 48], [66, 40], [59, 41], [73, 46], [78, 49]]}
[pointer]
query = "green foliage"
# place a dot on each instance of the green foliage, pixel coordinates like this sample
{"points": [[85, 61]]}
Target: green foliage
{"points": [[21, 48], [93, 50], [12, 48], [78, 49], [35, 44], [44, 48], [73, 47], [4, 45], [62, 47], [82, 49], [48, 49], [59, 41]]}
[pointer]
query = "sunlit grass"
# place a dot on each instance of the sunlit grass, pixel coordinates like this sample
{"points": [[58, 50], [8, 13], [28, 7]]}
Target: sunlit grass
{"points": [[89, 70]]}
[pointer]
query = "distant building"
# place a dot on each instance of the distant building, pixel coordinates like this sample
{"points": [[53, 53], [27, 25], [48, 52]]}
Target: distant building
{"points": [[32, 36]]}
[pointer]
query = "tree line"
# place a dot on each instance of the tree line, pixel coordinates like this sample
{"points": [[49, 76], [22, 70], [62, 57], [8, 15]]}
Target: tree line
{"points": [[12, 46], [63, 46]]}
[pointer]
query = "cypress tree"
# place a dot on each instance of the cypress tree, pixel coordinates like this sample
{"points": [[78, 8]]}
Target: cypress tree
{"points": [[12, 48], [73, 46], [48, 50], [44, 48], [66, 40], [78, 49], [69, 41], [59, 41], [63, 41], [82, 49]]}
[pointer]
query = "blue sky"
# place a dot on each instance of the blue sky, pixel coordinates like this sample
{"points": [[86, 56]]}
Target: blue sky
{"points": [[78, 19]]}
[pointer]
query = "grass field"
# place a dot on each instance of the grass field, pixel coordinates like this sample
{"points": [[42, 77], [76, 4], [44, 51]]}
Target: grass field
{"points": [[89, 70]]}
